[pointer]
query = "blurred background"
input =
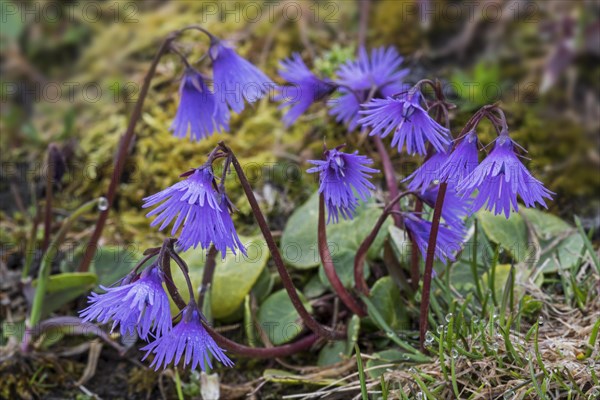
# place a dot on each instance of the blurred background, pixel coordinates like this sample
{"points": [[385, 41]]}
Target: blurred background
{"points": [[71, 72]]}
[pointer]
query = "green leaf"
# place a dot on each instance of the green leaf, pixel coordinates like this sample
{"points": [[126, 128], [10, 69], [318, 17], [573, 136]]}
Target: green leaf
{"points": [[263, 286], [385, 296], [233, 279], [510, 234], [545, 224], [279, 319], [353, 332], [299, 240], [314, 287], [112, 263], [331, 353], [65, 287]]}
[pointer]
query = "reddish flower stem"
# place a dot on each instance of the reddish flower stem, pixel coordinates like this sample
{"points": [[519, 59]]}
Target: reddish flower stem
{"points": [[390, 176], [431, 245], [329, 267], [414, 256], [167, 251], [361, 253], [207, 274], [286, 279]]}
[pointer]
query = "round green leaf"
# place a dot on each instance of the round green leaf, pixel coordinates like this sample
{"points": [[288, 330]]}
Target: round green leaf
{"points": [[510, 234], [233, 279], [279, 319]]}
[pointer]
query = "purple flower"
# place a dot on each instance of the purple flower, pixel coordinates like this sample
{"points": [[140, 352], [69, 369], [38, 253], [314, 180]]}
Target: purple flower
{"points": [[500, 178], [196, 111], [427, 174], [141, 305], [455, 208], [462, 161], [235, 79], [187, 337], [380, 73], [341, 175], [306, 88], [448, 240], [203, 211], [411, 124]]}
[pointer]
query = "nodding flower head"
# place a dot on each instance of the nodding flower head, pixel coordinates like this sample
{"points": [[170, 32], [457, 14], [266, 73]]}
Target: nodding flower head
{"points": [[500, 178], [306, 88], [411, 124], [235, 79], [197, 111], [427, 174], [342, 177], [448, 243], [136, 305], [378, 74], [462, 161], [200, 208], [188, 341]]}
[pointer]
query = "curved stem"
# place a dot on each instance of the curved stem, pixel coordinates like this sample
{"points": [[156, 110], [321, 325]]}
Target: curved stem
{"points": [[207, 274], [256, 352], [286, 279], [121, 157], [388, 172], [361, 254], [329, 267], [431, 245], [184, 270], [228, 344]]}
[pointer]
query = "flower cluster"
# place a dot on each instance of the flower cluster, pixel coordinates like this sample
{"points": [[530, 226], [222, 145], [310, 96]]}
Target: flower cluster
{"points": [[202, 112], [201, 208], [377, 74], [140, 304]]}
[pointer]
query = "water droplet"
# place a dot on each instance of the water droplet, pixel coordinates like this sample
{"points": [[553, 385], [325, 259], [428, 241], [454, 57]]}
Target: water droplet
{"points": [[390, 334], [494, 346], [454, 353], [540, 320], [420, 396], [591, 363], [412, 370], [102, 204], [440, 329], [436, 181], [429, 337], [475, 320], [448, 317], [405, 357], [495, 317]]}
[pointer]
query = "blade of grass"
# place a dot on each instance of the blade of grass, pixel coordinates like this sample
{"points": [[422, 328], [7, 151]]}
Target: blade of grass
{"points": [[361, 373], [588, 244], [382, 324], [593, 338]]}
